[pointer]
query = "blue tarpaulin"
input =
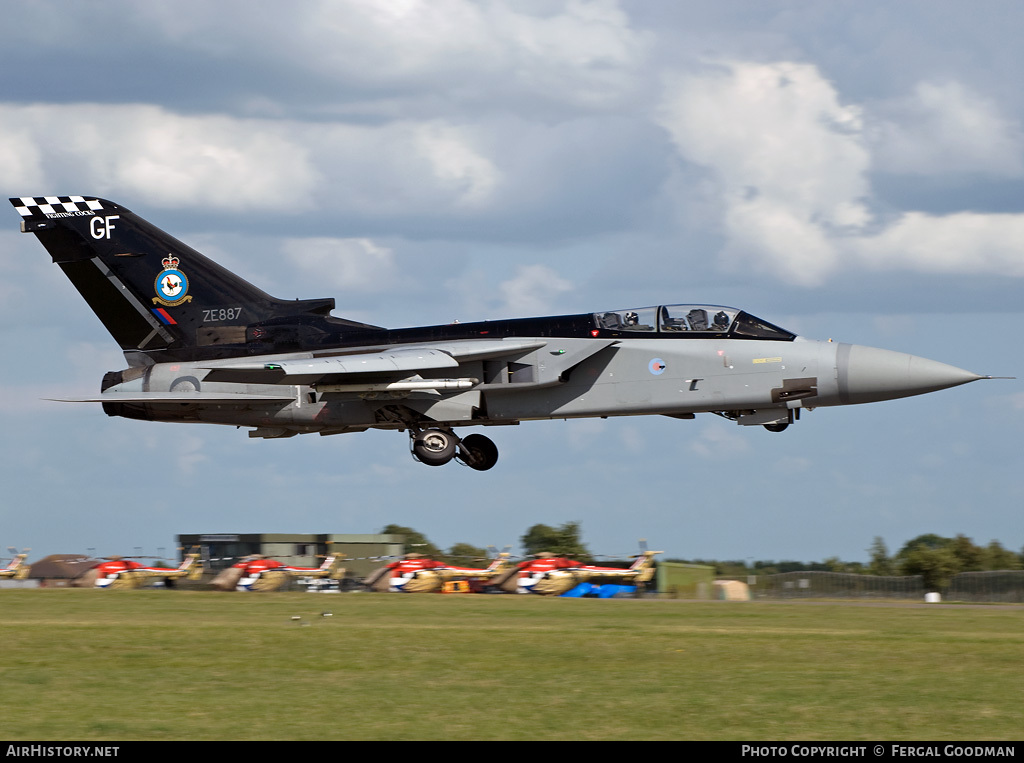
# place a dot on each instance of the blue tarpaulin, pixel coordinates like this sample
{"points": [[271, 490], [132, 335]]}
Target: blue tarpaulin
{"points": [[606, 591]]}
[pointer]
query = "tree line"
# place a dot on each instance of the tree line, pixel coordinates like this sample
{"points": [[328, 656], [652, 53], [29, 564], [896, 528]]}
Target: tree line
{"points": [[936, 558]]}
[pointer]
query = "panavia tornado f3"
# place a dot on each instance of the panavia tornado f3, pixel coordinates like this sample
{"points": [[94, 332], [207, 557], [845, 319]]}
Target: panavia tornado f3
{"points": [[203, 345]]}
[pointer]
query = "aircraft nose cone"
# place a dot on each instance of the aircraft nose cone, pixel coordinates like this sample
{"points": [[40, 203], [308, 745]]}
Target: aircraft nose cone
{"points": [[867, 374]]}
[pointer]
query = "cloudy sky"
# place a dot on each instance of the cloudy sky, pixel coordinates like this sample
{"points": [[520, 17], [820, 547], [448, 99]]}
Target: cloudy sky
{"points": [[852, 170]]}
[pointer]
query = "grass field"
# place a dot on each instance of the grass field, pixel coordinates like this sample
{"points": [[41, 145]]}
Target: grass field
{"points": [[152, 665]]}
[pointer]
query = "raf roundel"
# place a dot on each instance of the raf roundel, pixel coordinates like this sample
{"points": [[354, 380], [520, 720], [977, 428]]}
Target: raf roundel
{"points": [[171, 286], [656, 366]]}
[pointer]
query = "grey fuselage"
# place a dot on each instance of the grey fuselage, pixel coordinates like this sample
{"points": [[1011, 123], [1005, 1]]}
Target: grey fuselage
{"points": [[753, 381]]}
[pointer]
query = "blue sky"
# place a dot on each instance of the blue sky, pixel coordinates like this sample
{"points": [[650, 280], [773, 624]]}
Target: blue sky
{"points": [[852, 170]]}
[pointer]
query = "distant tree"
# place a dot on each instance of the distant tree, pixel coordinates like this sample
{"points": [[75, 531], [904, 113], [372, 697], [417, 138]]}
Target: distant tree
{"points": [[415, 542], [539, 538], [733, 569], [995, 557], [835, 564], [880, 563], [698, 562], [936, 565], [928, 540], [793, 566], [970, 556], [560, 541], [465, 554]]}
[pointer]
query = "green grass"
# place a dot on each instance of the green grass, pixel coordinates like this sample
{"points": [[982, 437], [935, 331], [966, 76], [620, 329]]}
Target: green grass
{"points": [[129, 665]]}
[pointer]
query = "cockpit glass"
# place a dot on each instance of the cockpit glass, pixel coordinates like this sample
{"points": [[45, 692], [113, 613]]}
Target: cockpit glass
{"points": [[636, 319], [748, 325], [692, 319], [696, 318]]}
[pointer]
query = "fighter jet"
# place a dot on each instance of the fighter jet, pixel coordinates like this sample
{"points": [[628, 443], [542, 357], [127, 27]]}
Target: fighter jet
{"points": [[204, 345]]}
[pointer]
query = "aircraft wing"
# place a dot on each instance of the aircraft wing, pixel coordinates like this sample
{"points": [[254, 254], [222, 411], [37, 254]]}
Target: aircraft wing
{"points": [[174, 397], [398, 362]]}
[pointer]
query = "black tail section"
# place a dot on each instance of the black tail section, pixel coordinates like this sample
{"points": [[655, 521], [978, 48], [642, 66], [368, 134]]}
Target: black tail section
{"points": [[160, 299]]}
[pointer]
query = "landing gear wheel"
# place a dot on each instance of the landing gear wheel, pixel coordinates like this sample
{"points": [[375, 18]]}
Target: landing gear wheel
{"points": [[434, 447], [777, 427], [478, 452]]}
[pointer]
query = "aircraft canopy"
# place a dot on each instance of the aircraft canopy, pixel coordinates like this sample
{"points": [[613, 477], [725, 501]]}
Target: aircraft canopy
{"points": [[671, 320]]}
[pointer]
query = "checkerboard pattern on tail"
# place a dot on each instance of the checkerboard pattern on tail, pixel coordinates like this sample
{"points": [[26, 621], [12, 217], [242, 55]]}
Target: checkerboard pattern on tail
{"points": [[44, 206]]}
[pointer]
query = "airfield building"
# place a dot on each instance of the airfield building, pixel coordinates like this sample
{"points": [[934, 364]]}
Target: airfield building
{"points": [[362, 552]]}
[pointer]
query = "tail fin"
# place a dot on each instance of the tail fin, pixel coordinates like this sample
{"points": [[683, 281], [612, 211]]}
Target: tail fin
{"points": [[508, 579], [16, 568], [331, 566], [191, 566], [644, 566], [154, 294], [500, 563], [643, 559]]}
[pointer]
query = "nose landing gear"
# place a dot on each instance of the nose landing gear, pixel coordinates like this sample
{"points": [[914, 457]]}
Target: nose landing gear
{"points": [[436, 447]]}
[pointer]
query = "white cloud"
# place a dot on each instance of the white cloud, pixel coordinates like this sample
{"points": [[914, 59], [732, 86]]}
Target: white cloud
{"points": [[20, 160], [166, 158], [239, 164], [965, 242], [457, 166], [770, 130], [943, 127], [788, 159], [579, 53], [585, 54], [532, 291], [344, 263], [788, 165]]}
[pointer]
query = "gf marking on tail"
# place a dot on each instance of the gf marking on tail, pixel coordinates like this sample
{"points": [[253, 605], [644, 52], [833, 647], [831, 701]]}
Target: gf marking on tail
{"points": [[100, 227]]}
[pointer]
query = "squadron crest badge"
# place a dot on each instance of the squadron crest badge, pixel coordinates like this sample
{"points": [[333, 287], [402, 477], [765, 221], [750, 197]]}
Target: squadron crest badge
{"points": [[171, 286]]}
